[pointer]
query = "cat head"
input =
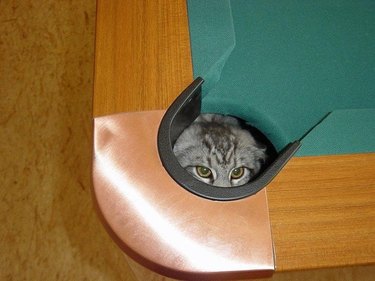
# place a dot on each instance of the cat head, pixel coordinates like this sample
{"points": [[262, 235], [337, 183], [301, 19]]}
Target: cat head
{"points": [[217, 151]]}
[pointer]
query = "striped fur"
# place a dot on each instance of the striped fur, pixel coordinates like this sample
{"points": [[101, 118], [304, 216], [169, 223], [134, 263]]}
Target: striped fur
{"points": [[219, 143]]}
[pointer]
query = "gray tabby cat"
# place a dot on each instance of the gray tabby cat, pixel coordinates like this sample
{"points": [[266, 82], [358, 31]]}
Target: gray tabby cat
{"points": [[217, 150]]}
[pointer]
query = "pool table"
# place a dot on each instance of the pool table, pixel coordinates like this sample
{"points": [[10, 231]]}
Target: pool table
{"points": [[322, 204], [295, 70]]}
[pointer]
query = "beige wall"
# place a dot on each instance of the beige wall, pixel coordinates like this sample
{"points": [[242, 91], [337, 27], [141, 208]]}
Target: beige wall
{"points": [[48, 228]]}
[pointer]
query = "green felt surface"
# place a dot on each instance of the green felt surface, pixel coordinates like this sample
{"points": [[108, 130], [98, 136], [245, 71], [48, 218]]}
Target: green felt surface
{"points": [[354, 128], [284, 65], [211, 60]]}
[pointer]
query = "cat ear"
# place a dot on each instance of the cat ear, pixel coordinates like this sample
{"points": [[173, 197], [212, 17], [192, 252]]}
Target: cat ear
{"points": [[261, 146], [260, 154]]}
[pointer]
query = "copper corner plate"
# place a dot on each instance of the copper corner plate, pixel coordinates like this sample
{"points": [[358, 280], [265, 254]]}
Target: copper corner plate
{"points": [[165, 227]]}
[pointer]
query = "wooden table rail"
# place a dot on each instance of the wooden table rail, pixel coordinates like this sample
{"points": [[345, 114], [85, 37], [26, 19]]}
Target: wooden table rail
{"points": [[322, 208]]}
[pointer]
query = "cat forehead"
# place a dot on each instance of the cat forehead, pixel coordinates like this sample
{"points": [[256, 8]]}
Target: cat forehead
{"points": [[217, 118], [194, 140]]}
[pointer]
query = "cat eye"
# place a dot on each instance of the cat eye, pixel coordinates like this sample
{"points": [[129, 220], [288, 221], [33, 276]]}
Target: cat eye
{"points": [[237, 173], [203, 172]]}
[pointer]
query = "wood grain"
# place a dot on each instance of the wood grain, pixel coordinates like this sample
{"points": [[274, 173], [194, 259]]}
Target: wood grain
{"points": [[322, 212], [48, 227], [322, 208], [142, 55], [358, 273]]}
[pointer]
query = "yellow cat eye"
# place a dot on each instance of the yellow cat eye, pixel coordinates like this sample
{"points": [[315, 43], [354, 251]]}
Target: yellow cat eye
{"points": [[237, 173], [203, 172]]}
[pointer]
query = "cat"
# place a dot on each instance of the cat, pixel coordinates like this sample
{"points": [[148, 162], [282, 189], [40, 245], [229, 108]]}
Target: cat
{"points": [[217, 150]]}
